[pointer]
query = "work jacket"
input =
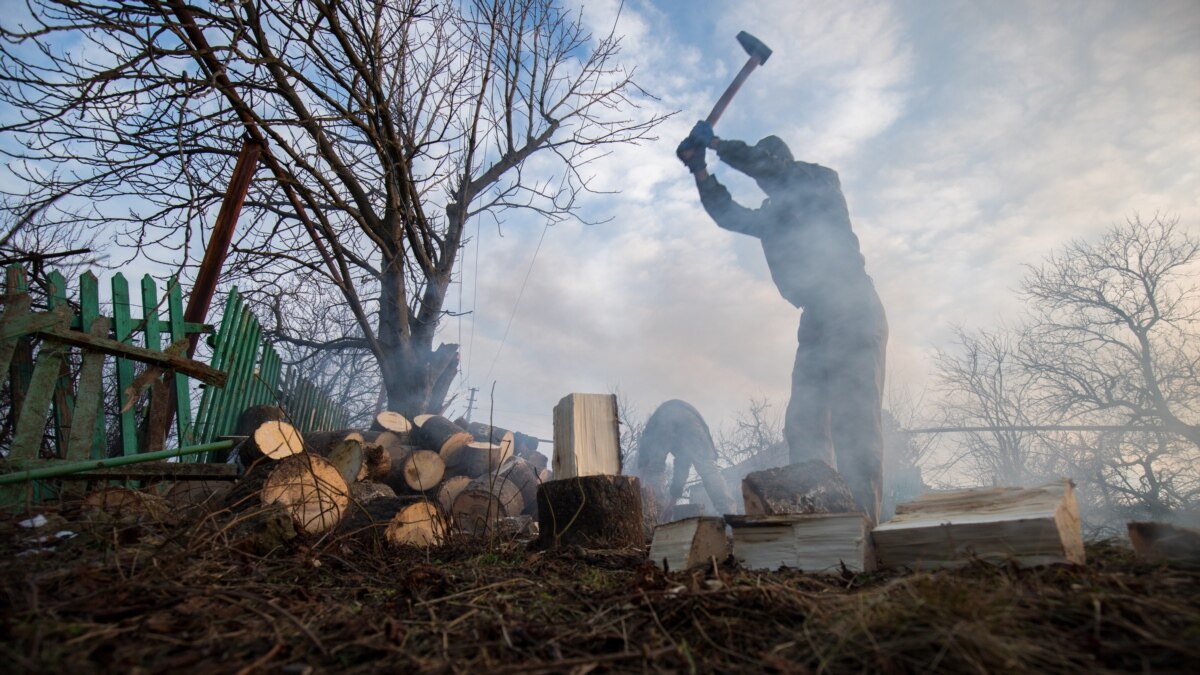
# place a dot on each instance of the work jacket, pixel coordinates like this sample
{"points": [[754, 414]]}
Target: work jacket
{"points": [[804, 226]]}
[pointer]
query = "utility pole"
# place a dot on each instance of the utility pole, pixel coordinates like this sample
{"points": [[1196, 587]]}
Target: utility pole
{"points": [[471, 402]]}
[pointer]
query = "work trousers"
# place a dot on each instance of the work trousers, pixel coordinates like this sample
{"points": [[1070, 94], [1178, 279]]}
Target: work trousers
{"points": [[835, 413]]}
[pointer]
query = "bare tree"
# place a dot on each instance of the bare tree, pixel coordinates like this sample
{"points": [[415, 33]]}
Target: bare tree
{"points": [[755, 431], [388, 125], [1115, 327], [983, 385], [1115, 342]]}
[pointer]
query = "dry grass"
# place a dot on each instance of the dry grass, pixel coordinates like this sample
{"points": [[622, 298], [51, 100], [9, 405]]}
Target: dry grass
{"points": [[132, 595]]}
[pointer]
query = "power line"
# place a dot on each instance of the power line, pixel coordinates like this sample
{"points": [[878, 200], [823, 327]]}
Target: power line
{"points": [[520, 294], [1037, 427]]}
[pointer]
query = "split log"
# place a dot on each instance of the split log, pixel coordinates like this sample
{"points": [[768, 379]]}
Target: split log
{"points": [[1163, 542], [449, 491], [308, 486], [376, 463], [392, 442], [820, 543], [439, 434], [484, 502], [418, 471], [1029, 526], [364, 491], [402, 521], [591, 511], [392, 421], [474, 459], [808, 487], [347, 458], [690, 543], [586, 436]]}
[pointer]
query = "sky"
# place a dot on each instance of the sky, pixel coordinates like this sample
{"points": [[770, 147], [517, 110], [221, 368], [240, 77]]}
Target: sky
{"points": [[971, 139]]}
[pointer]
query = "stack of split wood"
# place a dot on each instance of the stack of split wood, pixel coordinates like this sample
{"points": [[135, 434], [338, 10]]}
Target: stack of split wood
{"points": [[409, 481]]}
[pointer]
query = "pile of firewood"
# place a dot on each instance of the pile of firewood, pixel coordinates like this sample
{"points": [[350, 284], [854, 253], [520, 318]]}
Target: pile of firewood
{"points": [[414, 481]]}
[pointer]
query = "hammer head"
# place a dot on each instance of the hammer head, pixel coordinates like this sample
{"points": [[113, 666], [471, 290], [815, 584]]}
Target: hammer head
{"points": [[754, 47]]}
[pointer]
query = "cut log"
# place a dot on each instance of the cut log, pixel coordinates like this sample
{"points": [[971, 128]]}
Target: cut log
{"points": [[1163, 542], [124, 503], [808, 487], [484, 502], [815, 543], [449, 490], [362, 492], [190, 494], [392, 442], [271, 441], [392, 421], [377, 463], [535, 459], [690, 543], [1029, 526], [323, 442], [261, 530], [418, 471], [402, 521], [587, 440], [439, 434], [310, 488], [525, 477], [474, 459], [255, 416], [591, 511]]}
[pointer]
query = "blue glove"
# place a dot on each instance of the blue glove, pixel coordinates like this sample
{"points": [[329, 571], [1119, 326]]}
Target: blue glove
{"points": [[691, 153], [702, 133]]}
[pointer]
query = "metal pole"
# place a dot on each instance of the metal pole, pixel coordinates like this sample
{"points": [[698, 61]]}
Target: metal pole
{"points": [[89, 465]]}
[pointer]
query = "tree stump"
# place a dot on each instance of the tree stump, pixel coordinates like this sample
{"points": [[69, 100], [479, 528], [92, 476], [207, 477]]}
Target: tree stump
{"points": [[808, 487], [598, 511]]}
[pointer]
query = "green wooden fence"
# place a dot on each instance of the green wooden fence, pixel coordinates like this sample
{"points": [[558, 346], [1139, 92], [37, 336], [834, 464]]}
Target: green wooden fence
{"points": [[256, 377], [249, 370]]}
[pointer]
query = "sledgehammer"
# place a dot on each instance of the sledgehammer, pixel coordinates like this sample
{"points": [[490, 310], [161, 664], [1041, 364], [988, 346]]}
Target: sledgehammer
{"points": [[759, 53]]}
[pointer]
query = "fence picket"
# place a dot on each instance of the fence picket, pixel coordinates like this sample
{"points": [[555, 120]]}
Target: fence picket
{"points": [[123, 326]]}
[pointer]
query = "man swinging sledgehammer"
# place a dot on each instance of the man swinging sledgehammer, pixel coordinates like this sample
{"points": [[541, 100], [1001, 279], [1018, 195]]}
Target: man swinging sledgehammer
{"points": [[837, 382]]}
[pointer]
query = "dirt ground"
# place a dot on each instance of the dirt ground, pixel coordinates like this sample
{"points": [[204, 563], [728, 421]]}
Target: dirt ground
{"points": [[139, 594]]}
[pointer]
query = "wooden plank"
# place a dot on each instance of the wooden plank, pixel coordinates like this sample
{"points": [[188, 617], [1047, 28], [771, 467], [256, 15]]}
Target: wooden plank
{"points": [[91, 373], [20, 361], [1029, 526], [183, 401], [19, 324], [161, 359], [64, 394], [162, 471], [31, 423], [157, 414], [210, 397], [233, 359], [16, 310], [123, 329], [89, 312], [586, 436]]}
